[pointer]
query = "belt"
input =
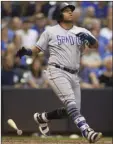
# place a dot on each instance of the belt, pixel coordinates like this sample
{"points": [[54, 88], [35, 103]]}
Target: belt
{"points": [[65, 68]]}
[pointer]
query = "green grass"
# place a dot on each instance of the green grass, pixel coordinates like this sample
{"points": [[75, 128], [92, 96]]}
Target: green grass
{"points": [[49, 140]]}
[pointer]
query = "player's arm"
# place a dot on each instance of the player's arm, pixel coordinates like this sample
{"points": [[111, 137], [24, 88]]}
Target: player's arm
{"points": [[35, 50]]}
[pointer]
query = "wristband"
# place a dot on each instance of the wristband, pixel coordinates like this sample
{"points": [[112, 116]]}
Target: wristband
{"points": [[91, 40], [29, 52]]}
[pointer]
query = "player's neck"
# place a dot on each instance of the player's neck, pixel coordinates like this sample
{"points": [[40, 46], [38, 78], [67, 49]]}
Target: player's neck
{"points": [[66, 26]]}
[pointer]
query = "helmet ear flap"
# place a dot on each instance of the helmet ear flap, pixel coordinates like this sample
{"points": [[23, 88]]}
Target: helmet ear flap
{"points": [[60, 17], [59, 14]]}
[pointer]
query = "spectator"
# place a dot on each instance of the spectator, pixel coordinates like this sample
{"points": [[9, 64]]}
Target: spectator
{"points": [[77, 13], [110, 11], [40, 23], [3, 48], [106, 76], [89, 16], [38, 6], [91, 63], [35, 78], [90, 12], [95, 28], [85, 4], [91, 59], [11, 50], [107, 31], [6, 7], [96, 24], [4, 38], [8, 34], [8, 37], [9, 9], [28, 37], [45, 7], [109, 49], [101, 9], [16, 24], [89, 78], [4, 33], [27, 8], [103, 42], [8, 75]]}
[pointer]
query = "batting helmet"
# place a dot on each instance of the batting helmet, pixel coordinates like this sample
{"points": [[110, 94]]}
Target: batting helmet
{"points": [[62, 7]]}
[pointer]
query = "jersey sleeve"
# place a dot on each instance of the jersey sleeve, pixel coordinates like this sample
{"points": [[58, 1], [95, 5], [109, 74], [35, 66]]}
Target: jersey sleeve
{"points": [[42, 43]]}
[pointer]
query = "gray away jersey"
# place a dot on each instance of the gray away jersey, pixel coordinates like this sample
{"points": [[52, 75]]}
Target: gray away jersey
{"points": [[64, 47]]}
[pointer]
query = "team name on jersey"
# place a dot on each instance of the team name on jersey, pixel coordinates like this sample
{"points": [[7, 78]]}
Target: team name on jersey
{"points": [[73, 40]]}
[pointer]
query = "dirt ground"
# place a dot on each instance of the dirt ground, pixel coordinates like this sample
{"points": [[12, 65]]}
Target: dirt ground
{"points": [[34, 140]]}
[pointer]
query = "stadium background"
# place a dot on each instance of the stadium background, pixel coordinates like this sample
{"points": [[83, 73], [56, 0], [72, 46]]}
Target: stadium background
{"points": [[22, 24]]}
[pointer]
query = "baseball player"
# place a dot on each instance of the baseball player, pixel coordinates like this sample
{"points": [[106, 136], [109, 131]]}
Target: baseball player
{"points": [[65, 42]]}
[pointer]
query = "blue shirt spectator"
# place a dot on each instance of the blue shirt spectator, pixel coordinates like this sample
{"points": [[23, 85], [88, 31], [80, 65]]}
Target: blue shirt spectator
{"points": [[103, 42], [107, 54], [40, 23], [23, 62], [101, 71], [8, 78], [101, 9], [85, 75], [86, 4], [11, 35], [35, 27], [3, 46], [109, 50]]}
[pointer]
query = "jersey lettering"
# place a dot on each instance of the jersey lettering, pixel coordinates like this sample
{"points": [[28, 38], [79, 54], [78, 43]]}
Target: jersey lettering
{"points": [[68, 39]]}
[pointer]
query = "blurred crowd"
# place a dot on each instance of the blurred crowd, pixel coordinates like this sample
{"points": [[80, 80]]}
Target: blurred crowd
{"points": [[22, 24]]}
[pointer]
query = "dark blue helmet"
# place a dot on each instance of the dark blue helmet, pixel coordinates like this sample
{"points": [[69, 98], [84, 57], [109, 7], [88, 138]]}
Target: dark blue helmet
{"points": [[65, 5], [62, 7]]}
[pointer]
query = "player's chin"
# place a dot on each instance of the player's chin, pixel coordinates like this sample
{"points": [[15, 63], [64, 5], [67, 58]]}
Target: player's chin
{"points": [[70, 19]]}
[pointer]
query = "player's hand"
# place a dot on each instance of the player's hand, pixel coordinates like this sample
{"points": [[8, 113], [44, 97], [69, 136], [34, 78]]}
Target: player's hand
{"points": [[83, 36], [87, 39], [21, 52]]}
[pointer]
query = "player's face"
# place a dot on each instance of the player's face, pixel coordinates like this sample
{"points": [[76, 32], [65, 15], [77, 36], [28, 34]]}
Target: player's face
{"points": [[41, 22], [68, 15]]}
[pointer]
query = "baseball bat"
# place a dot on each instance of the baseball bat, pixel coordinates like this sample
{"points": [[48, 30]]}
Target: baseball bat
{"points": [[14, 126]]}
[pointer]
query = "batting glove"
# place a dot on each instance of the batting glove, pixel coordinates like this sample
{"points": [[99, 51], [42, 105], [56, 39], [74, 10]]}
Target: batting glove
{"points": [[23, 51], [85, 37]]}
